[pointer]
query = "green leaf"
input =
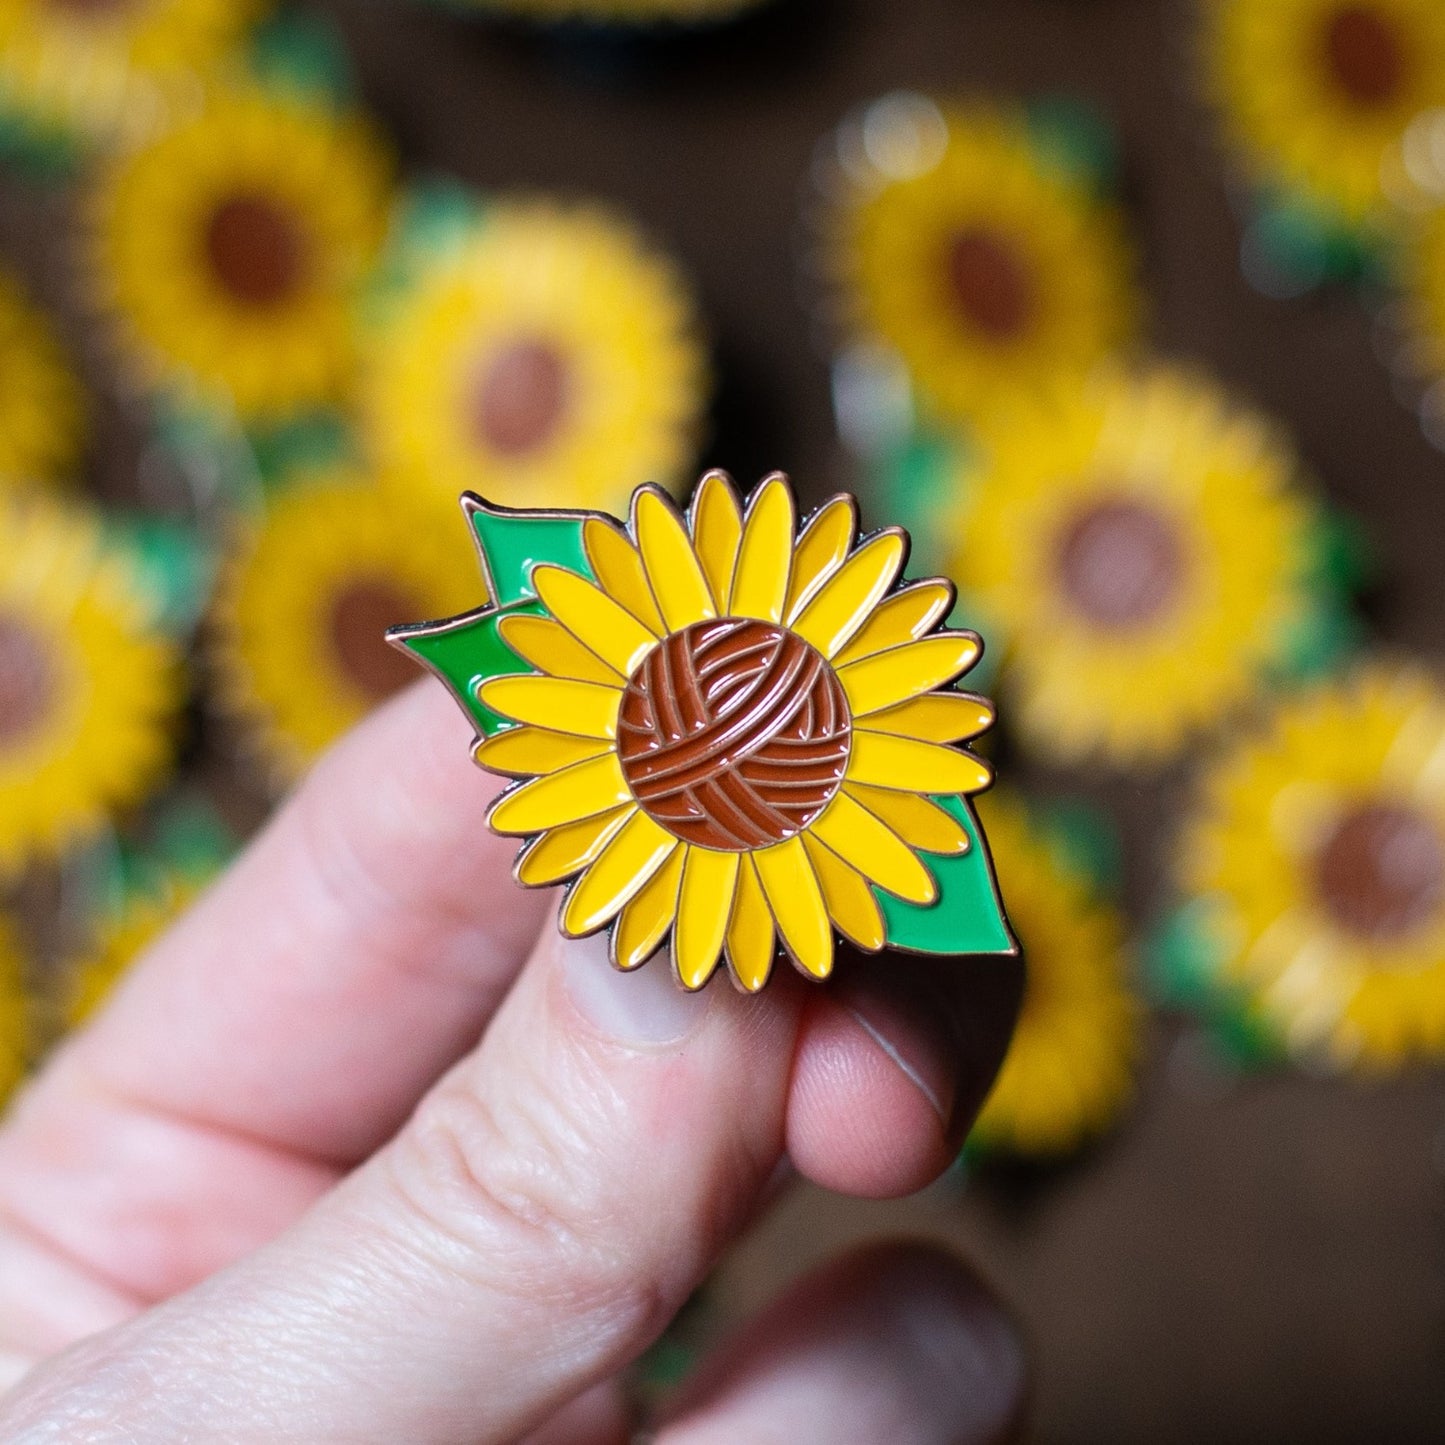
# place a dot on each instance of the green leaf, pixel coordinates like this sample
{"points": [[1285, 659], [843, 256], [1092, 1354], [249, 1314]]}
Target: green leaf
{"points": [[467, 651], [43, 151], [1086, 841], [1341, 554], [174, 562], [192, 838], [1246, 1038], [513, 543], [1074, 136], [1183, 955], [967, 916], [302, 53], [303, 445], [917, 483], [1319, 641]]}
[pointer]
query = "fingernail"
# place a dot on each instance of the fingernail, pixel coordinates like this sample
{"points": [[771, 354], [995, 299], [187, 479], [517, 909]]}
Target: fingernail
{"points": [[645, 1008], [913, 1027], [950, 1320]]}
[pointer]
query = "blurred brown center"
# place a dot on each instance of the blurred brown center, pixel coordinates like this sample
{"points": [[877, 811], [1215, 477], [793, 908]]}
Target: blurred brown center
{"points": [[520, 398], [734, 734], [992, 284], [1366, 54], [360, 615], [256, 250], [1381, 873], [27, 680], [1120, 564]]}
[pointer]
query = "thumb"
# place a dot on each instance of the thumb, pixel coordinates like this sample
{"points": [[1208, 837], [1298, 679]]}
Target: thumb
{"points": [[547, 1209]]}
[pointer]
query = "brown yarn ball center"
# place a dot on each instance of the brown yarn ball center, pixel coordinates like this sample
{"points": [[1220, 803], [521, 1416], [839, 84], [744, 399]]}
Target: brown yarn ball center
{"points": [[991, 283], [1381, 873], [1366, 55], [734, 734], [360, 614], [1120, 564], [256, 250], [520, 398], [28, 683]]}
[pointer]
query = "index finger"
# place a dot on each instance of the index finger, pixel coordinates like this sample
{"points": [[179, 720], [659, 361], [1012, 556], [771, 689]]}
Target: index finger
{"points": [[287, 1024]]}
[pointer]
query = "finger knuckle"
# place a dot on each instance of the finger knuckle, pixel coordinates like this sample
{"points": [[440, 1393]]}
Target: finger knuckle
{"points": [[515, 1198]]}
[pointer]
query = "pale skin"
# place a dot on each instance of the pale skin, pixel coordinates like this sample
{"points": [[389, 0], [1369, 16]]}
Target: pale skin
{"points": [[363, 1151]]}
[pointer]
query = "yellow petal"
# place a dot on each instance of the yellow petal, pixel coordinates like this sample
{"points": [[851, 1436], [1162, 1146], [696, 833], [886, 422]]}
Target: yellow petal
{"points": [[717, 527], [822, 549], [561, 852], [845, 601], [593, 618], [765, 554], [529, 751], [797, 903], [587, 709], [550, 648], [899, 619], [619, 571], [647, 918], [893, 762], [750, 931], [936, 717], [577, 792], [704, 905], [626, 863], [919, 821], [875, 850], [851, 902], [682, 593], [894, 676]]}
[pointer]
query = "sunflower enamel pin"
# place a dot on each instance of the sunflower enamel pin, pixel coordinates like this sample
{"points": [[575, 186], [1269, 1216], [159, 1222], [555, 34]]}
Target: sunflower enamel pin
{"points": [[727, 729]]}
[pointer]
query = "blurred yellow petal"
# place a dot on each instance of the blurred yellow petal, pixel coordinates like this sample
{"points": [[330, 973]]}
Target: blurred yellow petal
{"points": [[717, 530], [750, 943], [619, 571], [902, 618], [676, 578], [576, 792], [919, 821], [588, 709], [936, 717], [530, 751], [639, 849], [561, 852], [851, 903], [704, 906], [593, 618], [821, 550], [549, 647], [875, 850], [797, 904], [765, 555], [905, 763], [891, 677], [844, 602], [646, 919]]}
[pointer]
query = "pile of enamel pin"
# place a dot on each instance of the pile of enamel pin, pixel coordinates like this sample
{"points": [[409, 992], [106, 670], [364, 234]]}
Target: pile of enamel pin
{"points": [[737, 728]]}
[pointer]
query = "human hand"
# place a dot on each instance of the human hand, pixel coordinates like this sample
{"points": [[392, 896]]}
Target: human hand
{"points": [[278, 1190]]}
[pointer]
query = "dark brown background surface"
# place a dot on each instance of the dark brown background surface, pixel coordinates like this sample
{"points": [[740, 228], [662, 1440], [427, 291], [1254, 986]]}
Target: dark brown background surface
{"points": [[1259, 1260]]}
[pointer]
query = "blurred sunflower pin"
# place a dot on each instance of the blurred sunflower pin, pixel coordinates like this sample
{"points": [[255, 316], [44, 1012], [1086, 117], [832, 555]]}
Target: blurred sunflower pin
{"points": [[727, 729]]}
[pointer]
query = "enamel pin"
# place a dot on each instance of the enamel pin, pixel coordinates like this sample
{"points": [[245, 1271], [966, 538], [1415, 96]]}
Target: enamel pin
{"points": [[727, 730]]}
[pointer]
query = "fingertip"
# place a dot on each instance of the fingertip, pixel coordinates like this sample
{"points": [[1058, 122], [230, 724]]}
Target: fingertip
{"points": [[896, 1341], [892, 1066], [600, 1416], [857, 1123]]}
